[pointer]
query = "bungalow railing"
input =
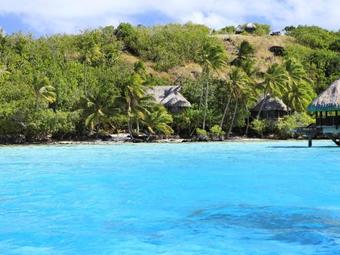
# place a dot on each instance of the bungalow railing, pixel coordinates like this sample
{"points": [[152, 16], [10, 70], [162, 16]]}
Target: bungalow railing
{"points": [[311, 130], [328, 121]]}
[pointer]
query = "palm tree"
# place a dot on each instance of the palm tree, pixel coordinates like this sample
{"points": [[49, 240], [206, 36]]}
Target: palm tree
{"points": [[299, 96], [300, 93], [136, 101], [43, 90], [99, 106], [158, 121], [212, 58], [245, 54], [96, 113], [275, 82], [252, 97], [239, 90], [238, 80]]}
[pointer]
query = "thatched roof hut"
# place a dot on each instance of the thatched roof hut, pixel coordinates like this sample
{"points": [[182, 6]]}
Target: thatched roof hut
{"points": [[239, 29], [272, 108], [250, 27], [170, 97], [271, 104], [326, 108], [327, 101]]}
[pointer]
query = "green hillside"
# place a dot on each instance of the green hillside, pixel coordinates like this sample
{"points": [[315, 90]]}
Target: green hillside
{"points": [[95, 83]]}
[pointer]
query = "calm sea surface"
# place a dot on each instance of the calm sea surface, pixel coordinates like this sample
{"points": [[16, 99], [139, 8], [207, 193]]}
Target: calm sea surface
{"points": [[219, 198]]}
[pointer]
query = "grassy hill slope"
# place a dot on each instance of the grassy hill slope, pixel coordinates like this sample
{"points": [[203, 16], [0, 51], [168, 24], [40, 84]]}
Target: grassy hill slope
{"points": [[261, 44]]}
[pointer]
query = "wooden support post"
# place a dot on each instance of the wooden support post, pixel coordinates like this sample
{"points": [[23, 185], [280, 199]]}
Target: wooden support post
{"points": [[336, 120], [316, 118], [310, 141]]}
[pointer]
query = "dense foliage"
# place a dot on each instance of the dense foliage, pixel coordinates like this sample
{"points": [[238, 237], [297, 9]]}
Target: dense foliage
{"points": [[318, 52], [80, 86]]}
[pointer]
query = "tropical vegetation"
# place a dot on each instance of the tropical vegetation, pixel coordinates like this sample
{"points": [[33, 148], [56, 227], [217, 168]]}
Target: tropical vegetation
{"points": [[95, 83]]}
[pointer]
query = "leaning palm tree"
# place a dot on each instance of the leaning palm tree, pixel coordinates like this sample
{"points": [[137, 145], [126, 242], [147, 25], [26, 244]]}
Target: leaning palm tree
{"points": [[275, 82], [299, 96], [98, 107], [212, 57], [43, 90], [300, 93], [158, 121], [96, 113], [295, 71]]}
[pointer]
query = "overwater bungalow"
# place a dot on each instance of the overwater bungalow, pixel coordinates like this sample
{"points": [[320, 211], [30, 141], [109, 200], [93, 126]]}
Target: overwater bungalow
{"points": [[326, 108], [170, 97], [273, 108]]}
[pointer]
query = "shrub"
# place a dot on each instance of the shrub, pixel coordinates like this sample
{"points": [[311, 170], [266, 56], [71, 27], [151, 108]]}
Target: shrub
{"points": [[289, 28], [288, 124], [227, 30], [313, 36], [259, 126], [246, 49], [201, 132], [262, 29], [335, 46], [216, 130], [173, 44], [46, 123], [128, 34]]}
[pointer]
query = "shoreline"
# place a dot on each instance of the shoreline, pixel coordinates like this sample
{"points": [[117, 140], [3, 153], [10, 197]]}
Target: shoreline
{"points": [[160, 141]]}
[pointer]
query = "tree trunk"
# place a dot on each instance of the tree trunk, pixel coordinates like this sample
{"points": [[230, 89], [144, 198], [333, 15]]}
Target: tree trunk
{"points": [[247, 127], [232, 120], [129, 120], [225, 112], [97, 130], [85, 82], [137, 126], [201, 97], [247, 123], [37, 103], [130, 127], [205, 105], [262, 104]]}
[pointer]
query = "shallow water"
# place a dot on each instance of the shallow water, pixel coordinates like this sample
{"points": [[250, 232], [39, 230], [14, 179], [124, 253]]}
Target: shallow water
{"points": [[218, 198]]}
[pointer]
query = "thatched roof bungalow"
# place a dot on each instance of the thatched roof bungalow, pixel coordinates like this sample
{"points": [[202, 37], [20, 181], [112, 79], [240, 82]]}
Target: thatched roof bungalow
{"points": [[170, 97], [271, 108], [326, 108], [327, 101], [239, 29], [250, 27]]}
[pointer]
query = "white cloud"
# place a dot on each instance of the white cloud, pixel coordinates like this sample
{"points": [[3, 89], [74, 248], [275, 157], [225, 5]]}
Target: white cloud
{"points": [[48, 16]]}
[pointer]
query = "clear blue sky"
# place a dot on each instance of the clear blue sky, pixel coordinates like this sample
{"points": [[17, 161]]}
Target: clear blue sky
{"points": [[70, 16]]}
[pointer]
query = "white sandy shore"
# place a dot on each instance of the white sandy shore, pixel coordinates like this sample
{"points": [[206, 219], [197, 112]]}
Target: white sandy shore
{"points": [[232, 139]]}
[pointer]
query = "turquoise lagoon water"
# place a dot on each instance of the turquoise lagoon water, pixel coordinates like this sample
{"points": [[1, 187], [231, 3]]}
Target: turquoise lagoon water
{"points": [[218, 198]]}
